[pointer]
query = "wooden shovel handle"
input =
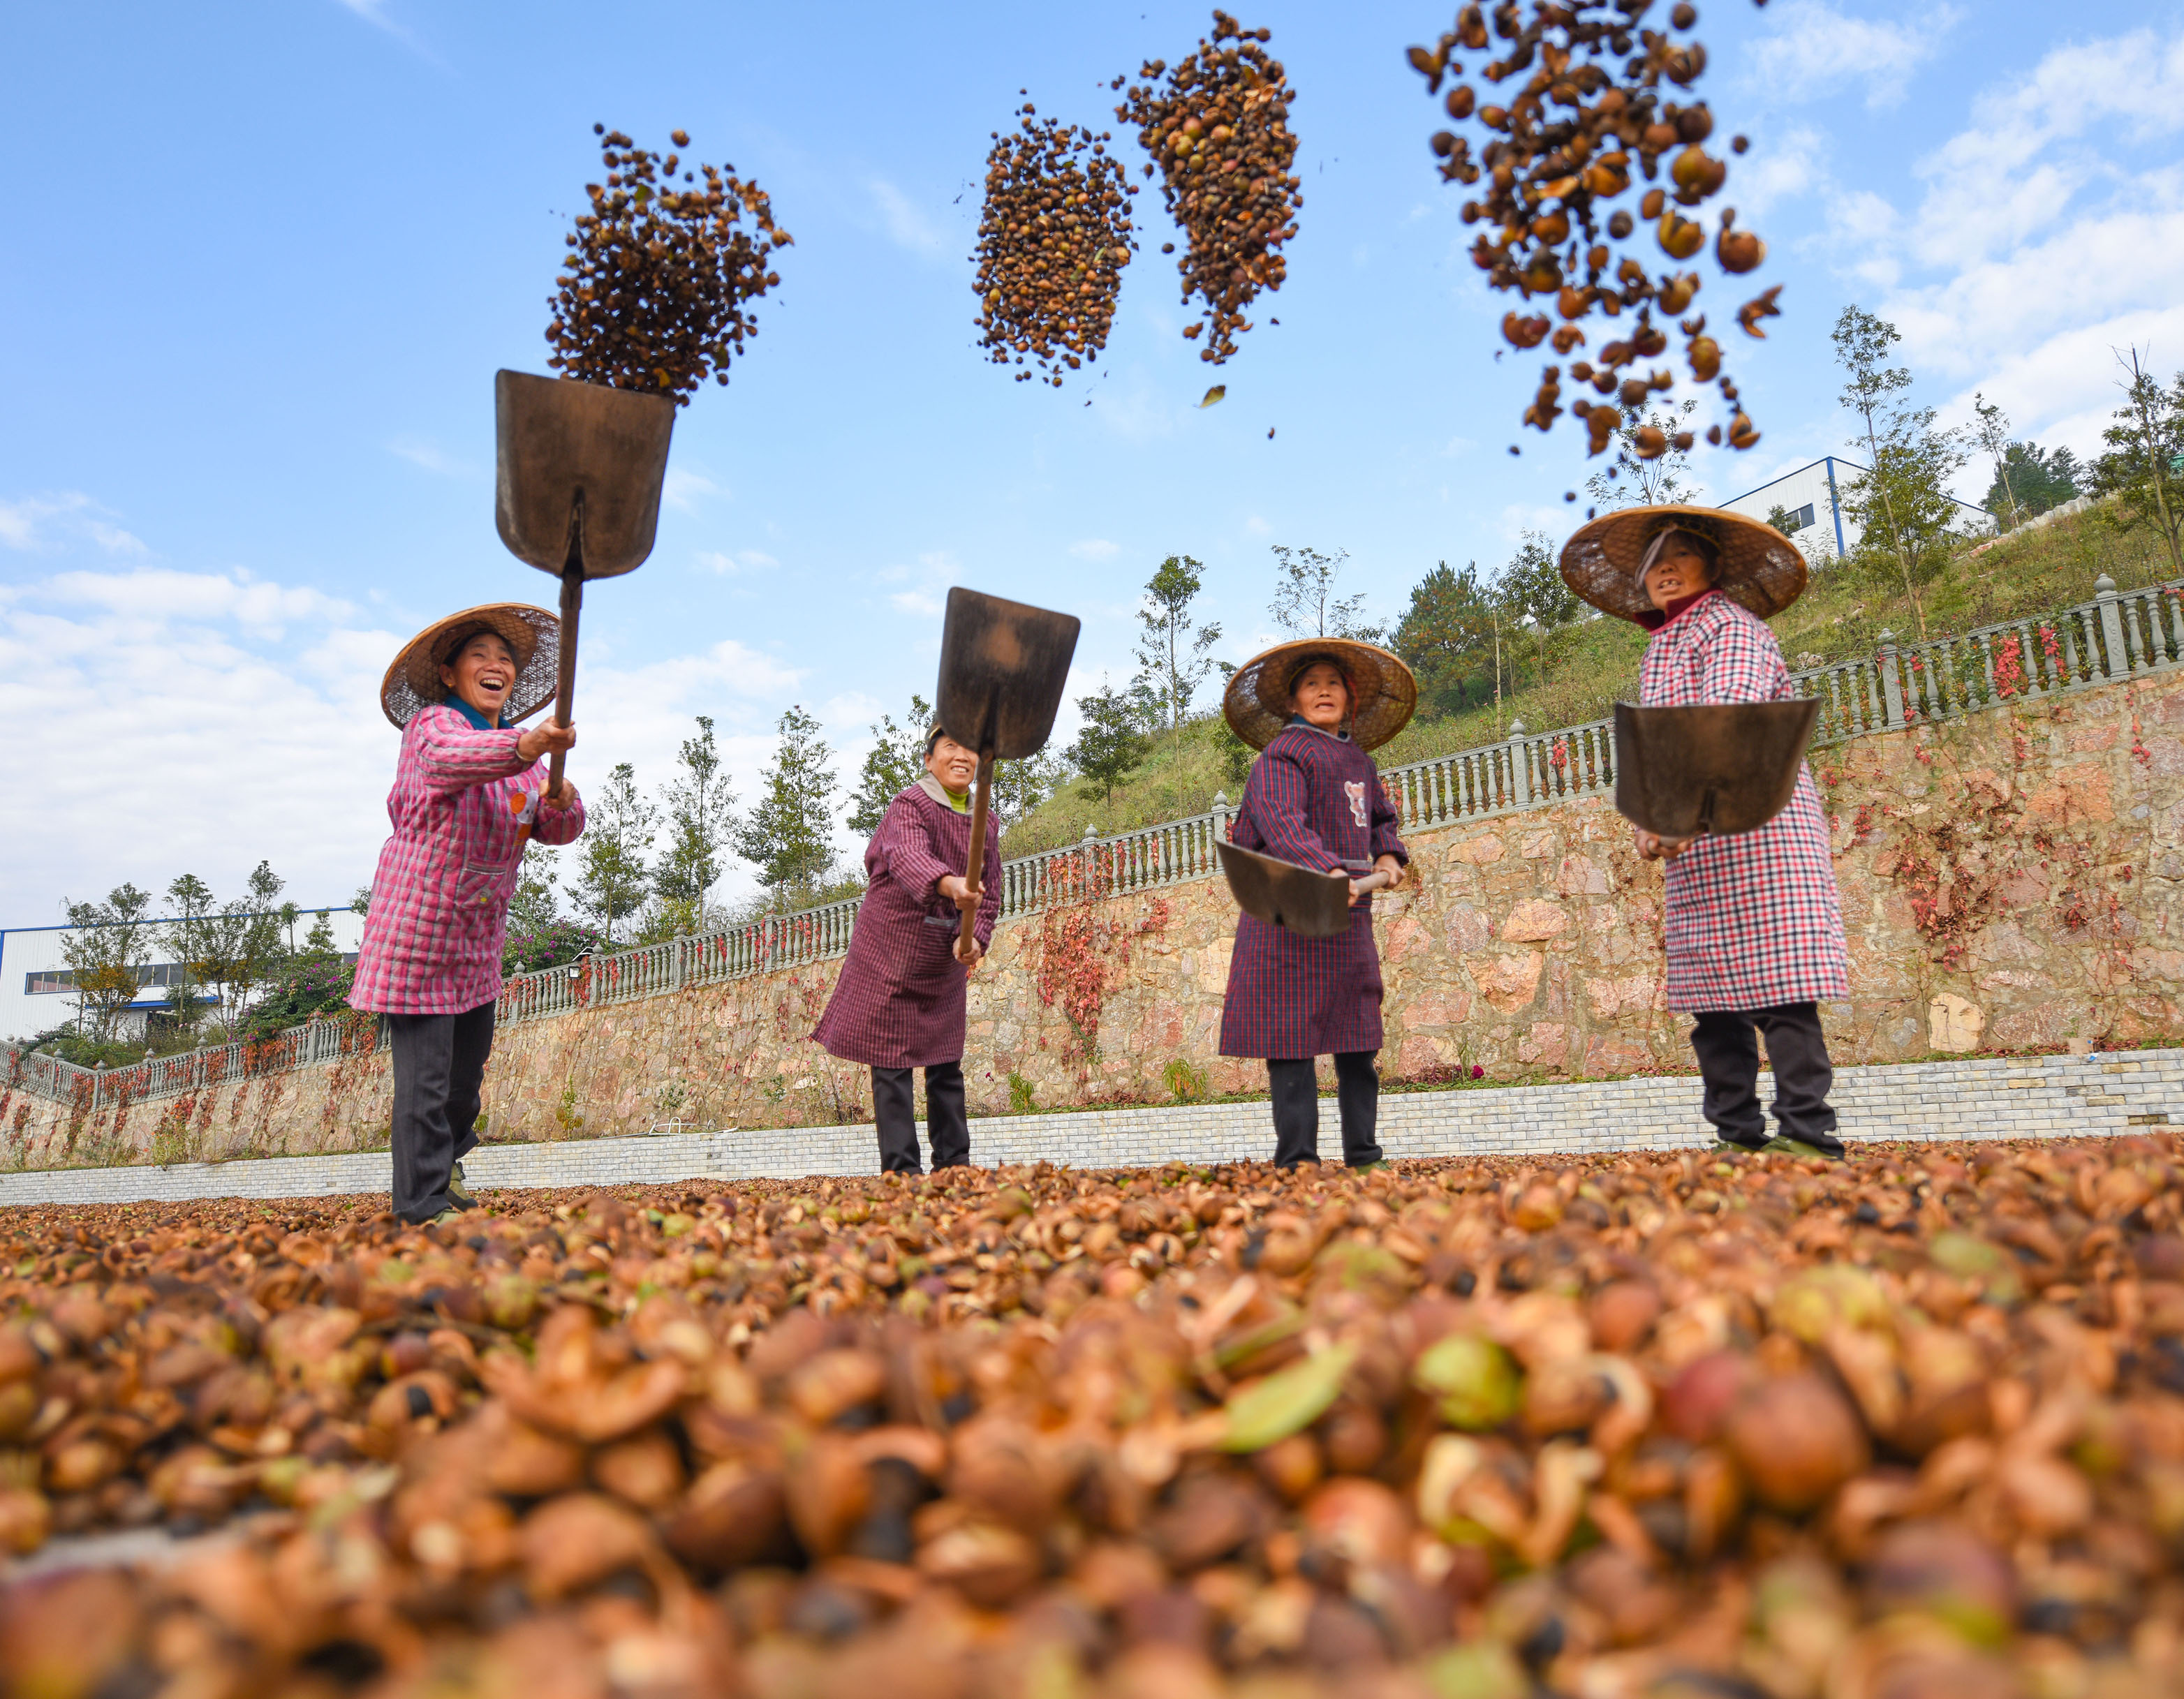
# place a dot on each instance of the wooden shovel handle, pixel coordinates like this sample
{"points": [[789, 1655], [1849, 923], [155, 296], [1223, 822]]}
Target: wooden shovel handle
{"points": [[564, 691], [1372, 881], [979, 803]]}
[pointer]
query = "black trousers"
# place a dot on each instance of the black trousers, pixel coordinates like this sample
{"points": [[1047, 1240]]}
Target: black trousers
{"points": [[439, 1063], [1295, 1092], [1729, 1062], [894, 1108]]}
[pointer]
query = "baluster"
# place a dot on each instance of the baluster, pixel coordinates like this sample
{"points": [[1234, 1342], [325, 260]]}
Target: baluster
{"points": [[1986, 664]]}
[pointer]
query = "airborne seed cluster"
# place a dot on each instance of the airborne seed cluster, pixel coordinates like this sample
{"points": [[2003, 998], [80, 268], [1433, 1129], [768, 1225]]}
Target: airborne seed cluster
{"points": [[1053, 240], [1659, 1425], [1591, 109], [655, 292], [1216, 127]]}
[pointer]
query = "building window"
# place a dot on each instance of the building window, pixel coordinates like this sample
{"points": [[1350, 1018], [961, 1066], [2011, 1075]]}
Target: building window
{"points": [[45, 982], [1798, 521]]}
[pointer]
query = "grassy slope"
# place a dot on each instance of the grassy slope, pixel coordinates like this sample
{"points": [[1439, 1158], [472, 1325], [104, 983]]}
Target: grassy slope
{"points": [[1592, 663]]}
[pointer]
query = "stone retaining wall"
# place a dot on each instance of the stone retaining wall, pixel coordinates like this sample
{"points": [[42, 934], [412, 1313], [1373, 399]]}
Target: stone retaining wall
{"points": [[1977, 1098], [2011, 882]]}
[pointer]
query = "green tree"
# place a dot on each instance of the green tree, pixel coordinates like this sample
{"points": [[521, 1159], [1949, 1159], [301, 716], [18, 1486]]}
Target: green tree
{"points": [[191, 900], [1992, 434], [2144, 464], [1531, 592], [789, 834], [1111, 742], [1905, 498], [242, 948], [1305, 602], [701, 820], [1172, 648], [319, 941], [537, 903], [1447, 637], [2030, 480], [612, 877], [107, 949], [1020, 786], [1631, 479], [895, 761]]}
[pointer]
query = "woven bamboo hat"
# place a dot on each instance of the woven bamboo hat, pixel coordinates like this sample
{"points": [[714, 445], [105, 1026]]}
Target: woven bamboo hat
{"points": [[1382, 692], [532, 635], [1759, 566]]}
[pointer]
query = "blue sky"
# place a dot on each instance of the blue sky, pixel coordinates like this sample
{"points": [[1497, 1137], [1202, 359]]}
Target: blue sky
{"points": [[263, 261]]}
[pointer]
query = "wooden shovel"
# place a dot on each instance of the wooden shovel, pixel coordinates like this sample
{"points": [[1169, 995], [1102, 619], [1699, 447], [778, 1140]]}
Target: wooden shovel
{"points": [[1003, 667], [577, 494]]}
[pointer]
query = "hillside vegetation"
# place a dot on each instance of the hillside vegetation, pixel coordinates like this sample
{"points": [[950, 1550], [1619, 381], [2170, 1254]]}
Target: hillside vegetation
{"points": [[1592, 663]]}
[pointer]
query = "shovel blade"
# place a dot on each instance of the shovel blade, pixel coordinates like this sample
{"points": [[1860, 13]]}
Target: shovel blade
{"points": [[1003, 667], [1722, 768], [1311, 903], [560, 440]]}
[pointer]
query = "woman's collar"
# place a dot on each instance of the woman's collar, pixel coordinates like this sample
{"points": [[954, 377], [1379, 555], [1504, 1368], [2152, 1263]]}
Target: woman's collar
{"points": [[1342, 737], [1653, 618], [470, 714], [940, 794]]}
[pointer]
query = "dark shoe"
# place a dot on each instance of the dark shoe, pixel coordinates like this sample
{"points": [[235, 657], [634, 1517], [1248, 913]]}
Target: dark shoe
{"points": [[460, 1192]]}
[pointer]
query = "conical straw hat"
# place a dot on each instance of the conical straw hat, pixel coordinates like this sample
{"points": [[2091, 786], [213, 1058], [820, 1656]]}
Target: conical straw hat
{"points": [[532, 635], [1760, 567]]}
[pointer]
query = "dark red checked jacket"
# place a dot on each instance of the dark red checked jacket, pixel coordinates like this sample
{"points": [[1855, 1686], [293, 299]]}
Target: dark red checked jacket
{"points": [[900, 1001], [1315, 800]]}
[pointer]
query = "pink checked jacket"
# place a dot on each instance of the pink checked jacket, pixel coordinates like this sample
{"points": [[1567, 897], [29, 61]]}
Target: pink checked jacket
{"points": [[439, 900], [1752, 920]]}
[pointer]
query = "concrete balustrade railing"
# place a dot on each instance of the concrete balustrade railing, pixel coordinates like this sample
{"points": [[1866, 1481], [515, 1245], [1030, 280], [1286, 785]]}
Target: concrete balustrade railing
{"points": [[2116, 636]]}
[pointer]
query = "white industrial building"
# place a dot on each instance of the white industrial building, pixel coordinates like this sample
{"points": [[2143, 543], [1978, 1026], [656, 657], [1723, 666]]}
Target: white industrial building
{"points": [[1813, 496], [37, 992]]}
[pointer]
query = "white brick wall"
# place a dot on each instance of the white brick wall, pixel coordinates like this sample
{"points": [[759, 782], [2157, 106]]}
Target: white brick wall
{"points": [[1986, 1097]]}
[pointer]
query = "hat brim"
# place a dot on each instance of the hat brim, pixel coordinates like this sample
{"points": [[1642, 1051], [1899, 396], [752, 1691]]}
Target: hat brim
{"points": [[534, 636], [1259, 700], [1759, 567]]}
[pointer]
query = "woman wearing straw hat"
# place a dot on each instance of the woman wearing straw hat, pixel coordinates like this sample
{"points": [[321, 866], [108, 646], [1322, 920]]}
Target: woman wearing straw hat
{"points": [[1753, 924], [468, 790], [1314, 707]]}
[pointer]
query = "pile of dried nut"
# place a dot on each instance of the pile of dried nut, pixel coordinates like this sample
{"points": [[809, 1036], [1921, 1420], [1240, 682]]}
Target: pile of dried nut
{"points": [[1217, 125], [1053, 240], [1665, 1425], [1585, 113], [655, 292]]}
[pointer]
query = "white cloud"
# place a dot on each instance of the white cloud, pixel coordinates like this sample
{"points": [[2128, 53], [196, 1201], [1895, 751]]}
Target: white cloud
{"points": [[1814, 50], [922, 602], [432, 459], [164, 722], [1778, 172], [683, 489], [1095, 548], [740, 561], [37, 523], [907, 224]]}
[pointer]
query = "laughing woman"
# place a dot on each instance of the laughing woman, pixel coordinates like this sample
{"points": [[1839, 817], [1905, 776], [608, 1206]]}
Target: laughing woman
{"points": [[467, 785]]}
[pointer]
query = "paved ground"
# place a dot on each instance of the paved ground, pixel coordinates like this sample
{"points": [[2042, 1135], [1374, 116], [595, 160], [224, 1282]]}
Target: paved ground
{"points": [[1995, 1097]]}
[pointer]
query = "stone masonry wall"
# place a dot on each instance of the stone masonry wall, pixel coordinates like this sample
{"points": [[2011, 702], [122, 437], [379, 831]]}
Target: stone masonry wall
{"points": [[2011, 883]]}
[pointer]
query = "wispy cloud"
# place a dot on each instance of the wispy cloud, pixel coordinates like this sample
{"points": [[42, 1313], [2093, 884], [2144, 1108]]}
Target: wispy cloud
{"points": [[1095, 548], [683, 489], [33, 524], [907, 223], [1816, 50], [430, 457], [379, 14], [742, 560], [922, 602]]}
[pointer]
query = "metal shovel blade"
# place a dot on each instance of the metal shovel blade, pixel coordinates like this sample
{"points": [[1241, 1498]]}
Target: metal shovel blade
{"points": [[581, 468], [1720, 768], [1003, 666], [1312, 905]]}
